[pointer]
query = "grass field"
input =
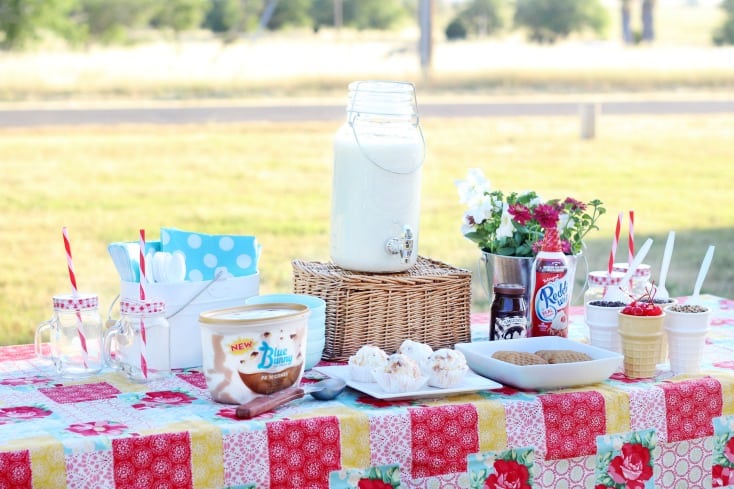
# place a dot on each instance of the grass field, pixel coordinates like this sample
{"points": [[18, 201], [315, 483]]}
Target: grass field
{"points": [[273, 181]]}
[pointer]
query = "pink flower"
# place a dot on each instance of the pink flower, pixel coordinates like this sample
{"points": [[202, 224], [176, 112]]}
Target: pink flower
{"points": [[171, 398], [23, 412], [575, 205], [95, 428], [546, 215], [521, 213], [566, 246], [721, 476], [24, 381], [508, 475], [632, 467]]}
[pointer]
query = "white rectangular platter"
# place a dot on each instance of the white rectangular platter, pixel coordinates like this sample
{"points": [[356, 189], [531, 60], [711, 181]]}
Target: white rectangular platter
{"points": [[541, 377], [471, 383]]}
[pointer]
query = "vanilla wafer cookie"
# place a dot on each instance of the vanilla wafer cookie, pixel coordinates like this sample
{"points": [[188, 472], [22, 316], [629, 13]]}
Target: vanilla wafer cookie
{"points": [[518, 357], [563, 356]]}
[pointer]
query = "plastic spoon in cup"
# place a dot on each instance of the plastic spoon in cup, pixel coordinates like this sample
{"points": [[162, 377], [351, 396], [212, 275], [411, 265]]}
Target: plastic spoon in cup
{"points": [[324, 390], [661, 292], [695, 298], [615, 294]]}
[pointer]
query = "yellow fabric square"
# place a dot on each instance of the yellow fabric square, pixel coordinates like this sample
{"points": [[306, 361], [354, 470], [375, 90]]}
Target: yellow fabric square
{"points": [[207, 459], [492, 425]]}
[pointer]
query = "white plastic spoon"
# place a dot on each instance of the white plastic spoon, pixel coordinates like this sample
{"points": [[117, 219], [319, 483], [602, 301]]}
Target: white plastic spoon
{"points": [[695, 298], [176, 270], [160, 266], [661, 292], [615, 293], [149, 271]]}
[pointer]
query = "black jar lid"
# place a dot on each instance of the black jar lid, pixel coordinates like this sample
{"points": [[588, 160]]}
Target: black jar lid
{"points": [[509, 289]]}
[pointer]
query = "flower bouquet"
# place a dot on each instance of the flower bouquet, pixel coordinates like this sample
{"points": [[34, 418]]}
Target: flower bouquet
{"points": [[512, 225]]}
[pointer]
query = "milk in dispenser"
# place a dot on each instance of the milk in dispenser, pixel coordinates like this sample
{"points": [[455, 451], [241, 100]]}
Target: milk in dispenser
{"points": [[378, 156]]}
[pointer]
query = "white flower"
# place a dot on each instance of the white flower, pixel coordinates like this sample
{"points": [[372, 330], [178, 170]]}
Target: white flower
{"points": [[480, 210], [506, 228], [474, 187]]}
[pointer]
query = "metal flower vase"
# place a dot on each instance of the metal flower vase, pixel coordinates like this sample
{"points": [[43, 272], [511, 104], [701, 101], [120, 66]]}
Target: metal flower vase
{"points": [[518, 270]]}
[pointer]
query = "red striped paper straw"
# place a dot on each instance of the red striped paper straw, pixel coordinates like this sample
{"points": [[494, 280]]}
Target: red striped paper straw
{"points": [[143, 279], [631, 238], [615, 243], [75, 294]]}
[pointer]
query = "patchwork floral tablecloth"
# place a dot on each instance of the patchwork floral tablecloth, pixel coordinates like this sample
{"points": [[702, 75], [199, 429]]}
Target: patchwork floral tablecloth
{"points": [[108, 433]]}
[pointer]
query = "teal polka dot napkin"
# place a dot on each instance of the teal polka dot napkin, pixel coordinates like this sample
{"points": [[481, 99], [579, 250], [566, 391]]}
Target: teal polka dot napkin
{"points": [[208, 254]]}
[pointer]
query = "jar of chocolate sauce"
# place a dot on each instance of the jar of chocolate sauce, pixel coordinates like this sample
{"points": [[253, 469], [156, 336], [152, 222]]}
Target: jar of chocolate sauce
{"points": [[509, 315]]}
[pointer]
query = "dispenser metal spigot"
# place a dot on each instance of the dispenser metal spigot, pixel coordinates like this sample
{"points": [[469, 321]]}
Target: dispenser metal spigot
{"points": [[402, 245]]}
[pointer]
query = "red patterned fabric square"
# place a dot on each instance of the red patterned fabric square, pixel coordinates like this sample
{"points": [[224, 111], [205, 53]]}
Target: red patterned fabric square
{"points": [[65, 394], [15, 470], [573, 420], [153, 461], [303, 452], [441, 439], [691, 406]]}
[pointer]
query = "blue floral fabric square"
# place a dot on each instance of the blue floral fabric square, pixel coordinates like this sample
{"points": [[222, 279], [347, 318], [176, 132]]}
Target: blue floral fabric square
{"points": [[626, 460], [505, 468]]}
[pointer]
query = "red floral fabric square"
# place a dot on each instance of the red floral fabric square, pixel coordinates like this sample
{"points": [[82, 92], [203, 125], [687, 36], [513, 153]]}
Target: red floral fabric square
{"points": [[153, 461], [573, 420], [65, 394], [15, 470], [691, 406], [303, 452], [441, 439]]}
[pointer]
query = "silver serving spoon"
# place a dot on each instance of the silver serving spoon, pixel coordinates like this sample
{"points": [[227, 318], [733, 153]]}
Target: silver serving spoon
{"points": [[324, 390]]}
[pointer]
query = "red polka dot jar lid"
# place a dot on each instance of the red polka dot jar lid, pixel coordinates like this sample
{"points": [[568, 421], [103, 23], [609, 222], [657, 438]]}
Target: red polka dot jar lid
{"points": [[80, 302], [642, 271], [604, 279], [149, 306]]}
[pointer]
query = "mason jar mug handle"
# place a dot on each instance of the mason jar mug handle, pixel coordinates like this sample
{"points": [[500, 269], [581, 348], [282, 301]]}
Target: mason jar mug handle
{"points": [[113, 331], [38, 340]]}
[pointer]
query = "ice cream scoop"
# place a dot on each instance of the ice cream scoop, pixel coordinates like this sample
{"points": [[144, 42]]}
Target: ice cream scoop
{"points": [[324, 390]]}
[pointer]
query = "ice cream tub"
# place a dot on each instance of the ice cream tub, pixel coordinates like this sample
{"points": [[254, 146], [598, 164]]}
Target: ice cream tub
{"points": [[254, 350]]}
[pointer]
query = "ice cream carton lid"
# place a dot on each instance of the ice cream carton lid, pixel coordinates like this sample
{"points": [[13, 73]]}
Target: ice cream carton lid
{"points": [[254, 315]]}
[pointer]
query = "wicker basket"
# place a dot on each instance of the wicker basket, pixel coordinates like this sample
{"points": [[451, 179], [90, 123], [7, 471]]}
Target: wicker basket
{"points": [[429, 303]]}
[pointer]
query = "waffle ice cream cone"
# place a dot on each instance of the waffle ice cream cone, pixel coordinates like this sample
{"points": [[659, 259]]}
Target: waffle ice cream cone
{"points": [[642, 338]]}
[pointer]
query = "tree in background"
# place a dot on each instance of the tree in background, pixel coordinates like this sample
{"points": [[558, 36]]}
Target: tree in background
{"points": [[360, 14], [547, 21], [725, 33], [648, 24], [110, 21], [647, 16], [179, 15], [478, 18], [626, 12], [24, 21]]}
